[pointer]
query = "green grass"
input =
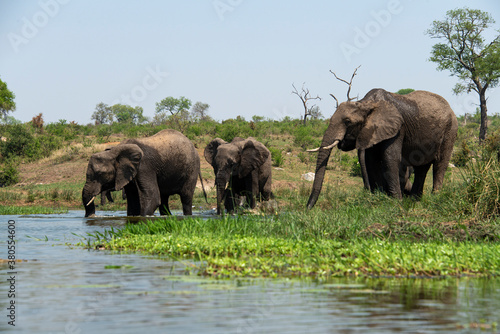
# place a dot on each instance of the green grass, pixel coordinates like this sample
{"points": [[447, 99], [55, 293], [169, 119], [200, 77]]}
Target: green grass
{"points": [[352, 232], [29, 210], [285, 246]]}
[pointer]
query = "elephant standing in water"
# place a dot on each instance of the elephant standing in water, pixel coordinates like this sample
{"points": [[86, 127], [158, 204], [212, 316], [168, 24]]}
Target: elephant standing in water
{"points": [[395, 131], [245, 166], [149, 169]]}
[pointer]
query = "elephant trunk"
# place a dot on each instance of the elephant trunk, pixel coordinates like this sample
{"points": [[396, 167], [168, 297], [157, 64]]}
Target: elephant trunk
{"points": [[89, 193], [221, 180], [323, 156], [330, 140]]}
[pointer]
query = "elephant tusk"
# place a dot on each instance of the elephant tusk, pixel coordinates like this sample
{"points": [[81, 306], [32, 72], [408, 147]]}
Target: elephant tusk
{"points": [[332, 145], [91, 200], [314, 150]]}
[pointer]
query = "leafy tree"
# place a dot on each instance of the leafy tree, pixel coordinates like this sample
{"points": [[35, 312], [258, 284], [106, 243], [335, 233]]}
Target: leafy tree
{"points": [[172, 105], [102, 114], [199, 111], [405, 91], [466, 54], [128, 114], [6, 100]]}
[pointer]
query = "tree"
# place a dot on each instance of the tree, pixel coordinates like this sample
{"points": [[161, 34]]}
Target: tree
{"points": [[172, 105], [102, 114], [6, 100], [315, 113], [466, 55], [127, 114], [305, 97], [199, 111]]}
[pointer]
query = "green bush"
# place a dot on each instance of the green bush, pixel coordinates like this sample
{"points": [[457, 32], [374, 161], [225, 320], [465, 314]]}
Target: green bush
{"points": [[482, 186], [276, 156], [462, 156], [9, 175], [355, 168]]}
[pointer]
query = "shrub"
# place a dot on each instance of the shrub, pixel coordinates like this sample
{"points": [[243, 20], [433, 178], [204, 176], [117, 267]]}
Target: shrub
{"points": [[462, 156], [355, 168], [483, 187], [9, 175], [20, 142], [276, 156]]}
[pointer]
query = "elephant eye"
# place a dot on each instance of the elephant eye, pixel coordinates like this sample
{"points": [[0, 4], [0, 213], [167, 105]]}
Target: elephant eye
{"points": [[347, 121]]}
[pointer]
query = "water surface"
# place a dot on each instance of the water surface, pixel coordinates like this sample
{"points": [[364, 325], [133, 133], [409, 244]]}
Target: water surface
{"points": [[66, 289]]}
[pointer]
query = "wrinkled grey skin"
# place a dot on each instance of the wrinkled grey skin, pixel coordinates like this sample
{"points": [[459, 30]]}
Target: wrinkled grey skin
{"points": [[149, 169], [396, 131], [373, 179], [244, 166]]}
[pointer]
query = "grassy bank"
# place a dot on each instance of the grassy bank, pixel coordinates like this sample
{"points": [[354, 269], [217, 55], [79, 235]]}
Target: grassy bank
{"points": [[359, 234]]}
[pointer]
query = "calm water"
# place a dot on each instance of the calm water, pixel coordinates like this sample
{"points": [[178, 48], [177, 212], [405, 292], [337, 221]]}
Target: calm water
{"points": [[64, 289]]}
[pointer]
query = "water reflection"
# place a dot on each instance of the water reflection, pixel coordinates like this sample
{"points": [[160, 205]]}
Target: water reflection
{"points": [[65, 289]]}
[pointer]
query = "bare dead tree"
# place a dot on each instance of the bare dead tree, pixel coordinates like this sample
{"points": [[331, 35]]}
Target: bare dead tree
{"points": [[349, 83], [304, 96]]}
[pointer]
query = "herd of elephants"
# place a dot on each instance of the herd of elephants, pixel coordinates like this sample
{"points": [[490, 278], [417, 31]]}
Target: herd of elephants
{"points": [[395, 135]]}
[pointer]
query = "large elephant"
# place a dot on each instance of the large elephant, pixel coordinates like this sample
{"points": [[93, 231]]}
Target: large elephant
{"points": [[149, 169], [246, 165], [395, 131]]}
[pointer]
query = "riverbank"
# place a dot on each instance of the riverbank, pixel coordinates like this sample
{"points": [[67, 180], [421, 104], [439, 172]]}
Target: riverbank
{"points": [[363, 235]]}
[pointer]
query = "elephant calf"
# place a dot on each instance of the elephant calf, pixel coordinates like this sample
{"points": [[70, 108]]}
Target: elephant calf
{"points": [[244, 165], [149, 169]]}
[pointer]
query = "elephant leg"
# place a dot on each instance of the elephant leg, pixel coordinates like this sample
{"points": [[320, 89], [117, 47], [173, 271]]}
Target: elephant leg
{"points": [[164, 209], [418, 184], [404, 179], [266, 192], [438, 172], [133, 204], [364, 171], [252, 184], [149, 192], [391, 163], [109, 196], [187, 204], [229, 198], [374, 172], [103, 197]]}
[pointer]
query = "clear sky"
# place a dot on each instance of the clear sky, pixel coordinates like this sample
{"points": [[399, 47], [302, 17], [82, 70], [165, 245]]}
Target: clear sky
{"points": [[63, 57]]}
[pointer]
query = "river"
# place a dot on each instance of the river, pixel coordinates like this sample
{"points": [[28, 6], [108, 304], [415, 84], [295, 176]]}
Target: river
{"points": [[60, 288]]}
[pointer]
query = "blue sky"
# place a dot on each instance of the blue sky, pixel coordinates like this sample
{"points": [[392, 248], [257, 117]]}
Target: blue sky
{"points": [[63, 57]]}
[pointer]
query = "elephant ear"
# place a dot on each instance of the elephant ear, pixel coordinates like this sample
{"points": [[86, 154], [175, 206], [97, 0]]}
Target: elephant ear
{"points": [[383, 122], [253, 155], [211, 150], [127, 164]]}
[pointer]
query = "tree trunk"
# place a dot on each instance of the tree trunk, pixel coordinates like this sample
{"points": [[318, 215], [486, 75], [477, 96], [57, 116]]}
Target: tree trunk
{"points": [[484, 115]]}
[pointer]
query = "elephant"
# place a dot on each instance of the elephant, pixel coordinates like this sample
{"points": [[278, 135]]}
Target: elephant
{"points": [[243, 163], [149, 169], [395, 131]]}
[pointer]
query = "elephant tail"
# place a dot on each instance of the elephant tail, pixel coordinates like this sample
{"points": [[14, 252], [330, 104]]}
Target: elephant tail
{"points": [[203, 187]]}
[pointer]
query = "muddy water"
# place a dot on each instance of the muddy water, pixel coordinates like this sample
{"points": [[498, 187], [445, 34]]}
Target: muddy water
{"points": [[65, 289]]}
